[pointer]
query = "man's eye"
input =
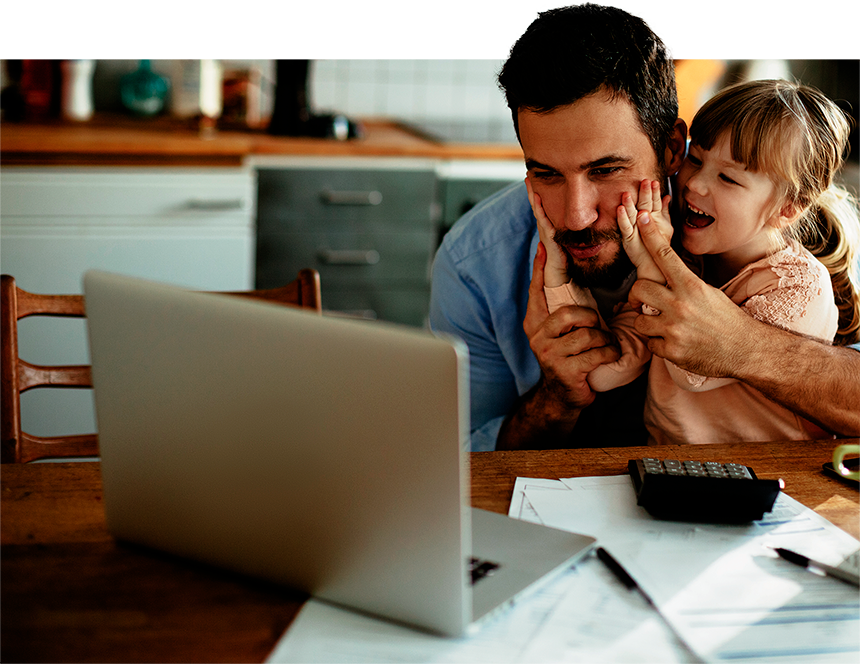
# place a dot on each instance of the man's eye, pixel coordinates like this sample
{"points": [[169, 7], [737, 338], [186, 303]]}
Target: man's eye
{"points": [[605, 170], [544, 175]]}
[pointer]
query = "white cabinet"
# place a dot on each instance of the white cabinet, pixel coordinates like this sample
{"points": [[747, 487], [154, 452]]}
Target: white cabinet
{"points": [[189, 226]]}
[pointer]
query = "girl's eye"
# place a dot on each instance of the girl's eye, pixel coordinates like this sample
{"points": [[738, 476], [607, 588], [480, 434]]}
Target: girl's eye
{"points": [[726, 178], [694, 160]]}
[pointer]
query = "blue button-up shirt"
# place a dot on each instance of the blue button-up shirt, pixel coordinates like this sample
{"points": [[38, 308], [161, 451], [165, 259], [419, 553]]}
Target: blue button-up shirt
{"points": [[480, 291]]}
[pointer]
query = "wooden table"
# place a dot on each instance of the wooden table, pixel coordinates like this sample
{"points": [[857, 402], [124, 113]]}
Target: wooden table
{"points": [[71, 593]]}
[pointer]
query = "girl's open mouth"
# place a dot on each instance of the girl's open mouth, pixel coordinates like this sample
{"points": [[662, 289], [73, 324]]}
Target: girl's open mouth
{"points": [[696, 218]]}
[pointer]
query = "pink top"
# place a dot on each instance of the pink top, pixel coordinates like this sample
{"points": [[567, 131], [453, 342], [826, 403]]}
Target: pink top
{"points": [[790, 289]]}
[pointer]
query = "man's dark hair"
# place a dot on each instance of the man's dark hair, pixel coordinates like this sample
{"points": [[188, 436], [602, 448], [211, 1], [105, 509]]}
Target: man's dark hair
{"points": [[571, 52]]}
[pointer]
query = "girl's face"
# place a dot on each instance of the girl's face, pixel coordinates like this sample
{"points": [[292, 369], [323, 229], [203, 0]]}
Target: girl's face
{"points": [[725, 209]]}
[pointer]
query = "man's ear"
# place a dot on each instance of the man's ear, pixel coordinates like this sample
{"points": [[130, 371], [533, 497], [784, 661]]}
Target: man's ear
{"points": [[676, 147]]}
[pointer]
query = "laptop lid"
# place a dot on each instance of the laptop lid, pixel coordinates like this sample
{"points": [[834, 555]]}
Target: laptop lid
{"points": [[321, 453]]}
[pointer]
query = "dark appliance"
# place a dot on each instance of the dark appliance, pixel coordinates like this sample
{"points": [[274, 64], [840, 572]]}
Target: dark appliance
{"points": [[303, 27]]}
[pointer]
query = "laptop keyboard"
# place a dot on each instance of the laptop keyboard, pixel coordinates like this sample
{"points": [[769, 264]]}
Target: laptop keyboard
{"points": [[481, 569]]}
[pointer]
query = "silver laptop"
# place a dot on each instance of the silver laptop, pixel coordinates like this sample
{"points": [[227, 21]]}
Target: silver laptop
{"points": [[320, 453]]}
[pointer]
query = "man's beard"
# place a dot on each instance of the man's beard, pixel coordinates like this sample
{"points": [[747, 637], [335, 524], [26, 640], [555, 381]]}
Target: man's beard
{"points": [[588, 272]]}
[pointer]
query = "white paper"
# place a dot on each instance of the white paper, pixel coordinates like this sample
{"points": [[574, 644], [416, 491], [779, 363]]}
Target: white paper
{"points": [[722, 587]]}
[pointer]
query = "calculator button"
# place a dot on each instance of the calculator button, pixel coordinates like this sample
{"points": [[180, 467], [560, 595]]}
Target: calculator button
{"points": [[653, 466], [738, 471]]}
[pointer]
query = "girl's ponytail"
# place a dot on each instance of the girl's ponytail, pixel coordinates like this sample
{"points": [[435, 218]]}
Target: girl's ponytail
{"points": [[833, 237]]}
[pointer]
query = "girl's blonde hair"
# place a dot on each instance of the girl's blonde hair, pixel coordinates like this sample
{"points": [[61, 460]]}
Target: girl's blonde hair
{"points": [[798, 138]]}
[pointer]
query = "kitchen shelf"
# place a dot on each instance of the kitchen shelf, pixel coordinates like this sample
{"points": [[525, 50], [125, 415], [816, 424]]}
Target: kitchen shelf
{"points": [[122, 141]]}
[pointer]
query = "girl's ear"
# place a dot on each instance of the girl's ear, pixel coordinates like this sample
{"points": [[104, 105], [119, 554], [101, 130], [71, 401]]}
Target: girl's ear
{"points": [[787, 215]]}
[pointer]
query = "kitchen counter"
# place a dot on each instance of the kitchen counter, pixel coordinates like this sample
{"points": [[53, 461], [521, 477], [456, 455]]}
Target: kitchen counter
{"points": [[164, 142]]}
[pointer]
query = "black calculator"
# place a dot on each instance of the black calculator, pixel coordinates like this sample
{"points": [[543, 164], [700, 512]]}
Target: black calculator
{"points": [[704, 491]]}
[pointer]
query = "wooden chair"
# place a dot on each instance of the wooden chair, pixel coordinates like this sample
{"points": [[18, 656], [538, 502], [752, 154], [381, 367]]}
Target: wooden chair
{"points": [[18, 376]]}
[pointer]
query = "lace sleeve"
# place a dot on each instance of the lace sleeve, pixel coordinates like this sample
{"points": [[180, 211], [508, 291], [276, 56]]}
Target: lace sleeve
{"points": [[801, 300], [789, 300]]}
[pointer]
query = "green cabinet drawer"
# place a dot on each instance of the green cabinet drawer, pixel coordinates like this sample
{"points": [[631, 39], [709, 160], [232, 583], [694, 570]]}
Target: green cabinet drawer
{"points": [[346, 258], [345, 199]]}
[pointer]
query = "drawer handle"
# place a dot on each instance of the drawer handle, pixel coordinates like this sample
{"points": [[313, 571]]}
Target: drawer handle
{"points": [[216, 205], [330, 197], [361, 314], [348, 256]]}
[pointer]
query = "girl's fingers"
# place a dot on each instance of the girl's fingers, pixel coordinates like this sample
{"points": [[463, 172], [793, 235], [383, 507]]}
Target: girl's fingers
{"points": [[645, 197], [656, 201], [624, 223], [629, 206], [537, 208], [545, 229]]}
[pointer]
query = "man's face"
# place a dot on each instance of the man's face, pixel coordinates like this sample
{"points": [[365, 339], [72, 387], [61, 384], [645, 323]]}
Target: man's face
{"points": [[580, 159]]}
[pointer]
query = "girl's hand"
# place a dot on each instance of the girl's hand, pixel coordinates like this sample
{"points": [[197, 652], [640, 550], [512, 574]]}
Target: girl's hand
{"points": [[555, 271], [629, 215]]}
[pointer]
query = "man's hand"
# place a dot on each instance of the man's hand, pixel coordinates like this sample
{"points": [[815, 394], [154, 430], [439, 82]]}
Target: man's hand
{"points": [[568, 345], [699, 328]]}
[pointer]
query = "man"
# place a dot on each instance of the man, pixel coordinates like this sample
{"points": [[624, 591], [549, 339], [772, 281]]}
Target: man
{"points": [[592, 94]]}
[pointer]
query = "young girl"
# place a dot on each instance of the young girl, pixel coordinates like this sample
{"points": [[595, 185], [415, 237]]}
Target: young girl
{"points": [[760, 218]]}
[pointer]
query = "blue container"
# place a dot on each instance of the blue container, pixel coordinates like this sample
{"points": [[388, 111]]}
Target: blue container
{"points": [[143, 91]]}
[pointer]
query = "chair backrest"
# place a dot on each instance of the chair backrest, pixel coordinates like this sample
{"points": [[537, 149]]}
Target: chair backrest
{"points": [[17, 375]]}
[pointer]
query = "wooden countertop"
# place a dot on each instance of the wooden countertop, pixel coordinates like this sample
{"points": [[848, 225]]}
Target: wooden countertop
{"points": [[128, 141]]}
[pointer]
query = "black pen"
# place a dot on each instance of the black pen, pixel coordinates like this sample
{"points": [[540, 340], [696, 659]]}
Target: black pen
{"points": [[630, 583], [803, 561]]}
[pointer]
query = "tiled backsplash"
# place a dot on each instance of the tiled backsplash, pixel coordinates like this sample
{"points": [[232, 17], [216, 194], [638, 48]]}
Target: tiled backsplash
{"points": [[422, 60]]}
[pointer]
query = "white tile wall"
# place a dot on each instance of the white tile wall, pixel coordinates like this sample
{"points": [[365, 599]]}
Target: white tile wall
{"points": [[422, 59]]}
